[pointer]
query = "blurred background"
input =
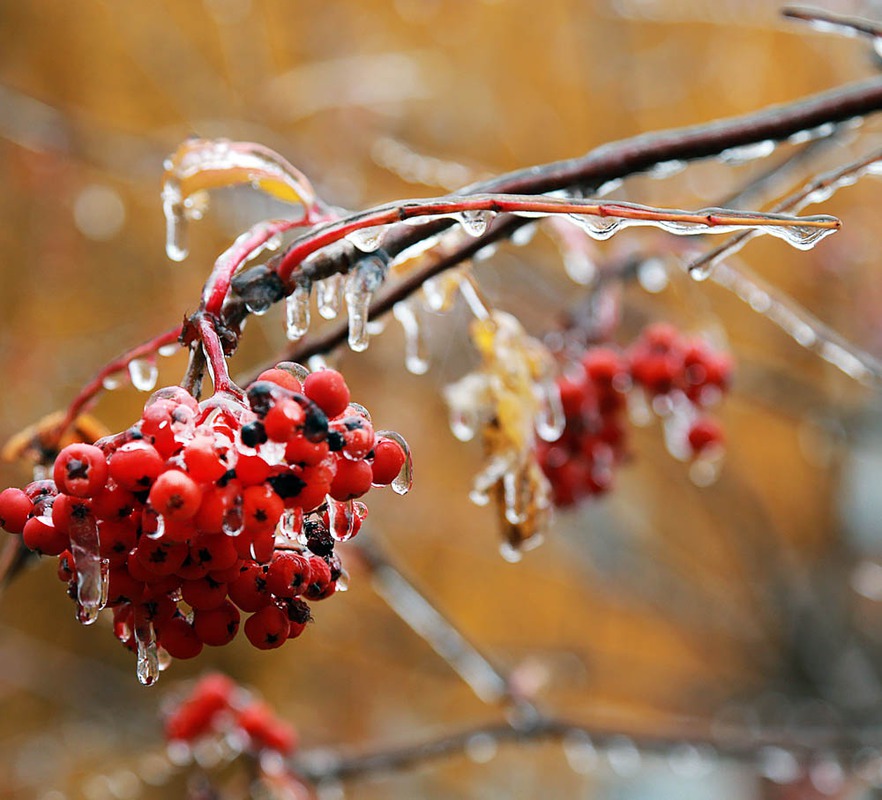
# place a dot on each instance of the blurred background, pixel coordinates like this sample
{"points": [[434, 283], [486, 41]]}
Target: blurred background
{"points": [[752, 603]]}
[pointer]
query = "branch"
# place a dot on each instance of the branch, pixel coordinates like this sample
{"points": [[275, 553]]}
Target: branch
{"points": [[829, 22]]}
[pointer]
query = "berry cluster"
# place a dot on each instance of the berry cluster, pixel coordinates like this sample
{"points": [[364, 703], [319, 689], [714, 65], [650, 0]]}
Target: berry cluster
{"points": [[679, 377], [201, 511], [217, 707]]}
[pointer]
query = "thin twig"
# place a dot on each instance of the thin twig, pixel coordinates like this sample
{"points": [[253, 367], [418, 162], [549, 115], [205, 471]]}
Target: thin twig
{"points": [[830, 22]]}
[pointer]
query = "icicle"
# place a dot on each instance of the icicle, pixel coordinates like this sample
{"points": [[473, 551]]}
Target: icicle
{"points": [[143, 372], [233, 521], [159, 530], [512, 497], [676, 423], [550, 420], [92, 570], [361, 284], [414, 358], [404, 479], [475, 223], [297, 311], [510, 553], [706, 467], [473, 299], [341, 519], [368, 240], [148, 654], [623, 756], [291, 524], [176, 239], [328, 293]]}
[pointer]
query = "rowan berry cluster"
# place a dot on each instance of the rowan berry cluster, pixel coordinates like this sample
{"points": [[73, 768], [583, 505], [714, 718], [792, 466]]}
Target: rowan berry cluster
{"points": [[218, 707], [201, 511], [677, 377]]}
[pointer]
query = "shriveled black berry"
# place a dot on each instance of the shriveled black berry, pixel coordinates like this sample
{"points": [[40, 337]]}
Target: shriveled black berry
{"points": [[253, 434], [286, 485], [336, 441]]}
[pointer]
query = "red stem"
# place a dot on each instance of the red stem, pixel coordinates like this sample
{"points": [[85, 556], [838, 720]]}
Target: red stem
{"points": [[92, 389], [214, 352]]}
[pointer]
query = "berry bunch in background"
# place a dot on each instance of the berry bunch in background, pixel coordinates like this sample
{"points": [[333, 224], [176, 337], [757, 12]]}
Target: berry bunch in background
{"points": [[216, 721], [202, 511], [676, 377]]}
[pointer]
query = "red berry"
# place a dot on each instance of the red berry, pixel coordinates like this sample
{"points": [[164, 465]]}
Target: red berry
{"points": [[41, 536], [704, 434], [80, 470], [179, 638], [261, 508], [205, 461], [388, 460], [268, 628], [288, 574], [135, 465], [175, 495], [203, 593], [15, 506], [353, 479], [265, 730], [250, 591], [282, 378], [217, 626], [328, 390], [283, 419]]}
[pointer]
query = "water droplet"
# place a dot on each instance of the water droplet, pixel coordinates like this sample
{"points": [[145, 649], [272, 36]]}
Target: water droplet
{"points": [[475, 222], [510, 553], [297, 311], [705, 469], [329, 292], [368, 240], [597, 227], [653, 275], [666, 169], [481, 748], [524, 234], [580, 752], [111, 382], [748, 152], [827, 775], [579, 266], [169, 349], [414, 357], [463, 424], [778, 765], [143, 372], [623, 756]]}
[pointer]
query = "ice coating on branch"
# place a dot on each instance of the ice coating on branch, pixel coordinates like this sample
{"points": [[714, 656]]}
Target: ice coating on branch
{"points": [[297, 311], [259, 238], [368, 240], [92, 570], [816, 191], [200, 165], [414, 348], [144, 373], [508, 399], [361, 283], [798, 323]]}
